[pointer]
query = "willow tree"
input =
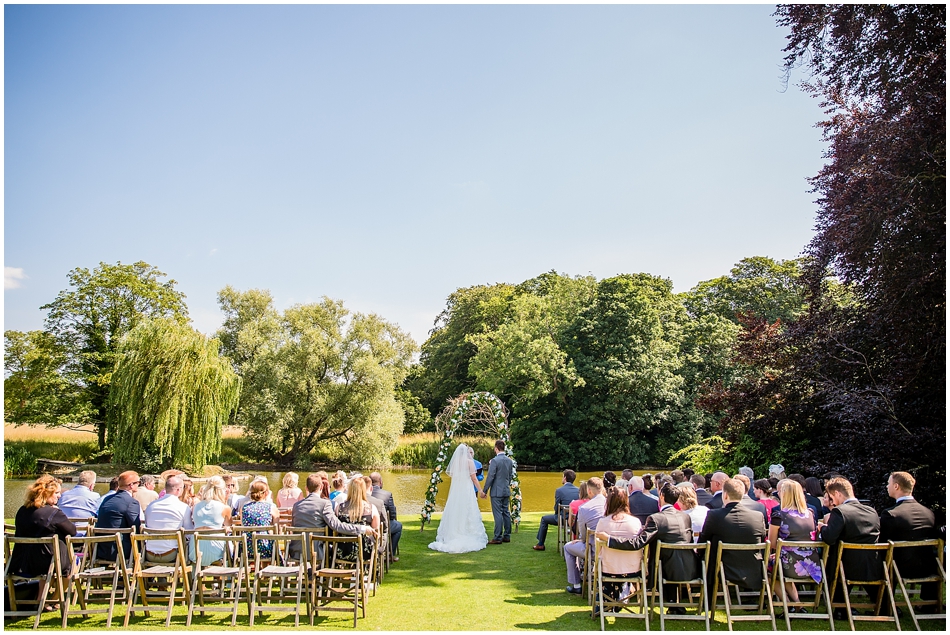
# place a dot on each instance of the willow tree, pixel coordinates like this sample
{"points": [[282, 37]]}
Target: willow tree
{"points": [[171, 395]]}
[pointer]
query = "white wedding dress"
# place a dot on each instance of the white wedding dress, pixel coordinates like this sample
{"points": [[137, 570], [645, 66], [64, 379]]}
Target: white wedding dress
{"points": [[461, 529]]}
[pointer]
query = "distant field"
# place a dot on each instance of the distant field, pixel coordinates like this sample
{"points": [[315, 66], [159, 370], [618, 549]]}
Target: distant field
{"points": [[46, 433]]}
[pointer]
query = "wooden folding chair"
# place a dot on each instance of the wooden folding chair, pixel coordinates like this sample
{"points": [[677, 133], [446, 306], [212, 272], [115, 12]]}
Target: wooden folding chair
{"points": [[222, 581], [146, 574], [821, 588], [248, 531], [701, 603], [50, 581], [884, 581], [335, 580], [906, 585], [281, 571], [83, 523], [620, 607], [8, 529], [86, 584], [764, 594], [563, 530], [587, 573]]}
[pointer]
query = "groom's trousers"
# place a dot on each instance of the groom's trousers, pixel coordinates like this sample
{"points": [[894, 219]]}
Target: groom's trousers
{"points": [[502, 516]]}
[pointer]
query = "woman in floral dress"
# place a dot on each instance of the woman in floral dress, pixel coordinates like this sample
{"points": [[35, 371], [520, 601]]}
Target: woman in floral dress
{"points": [[260, 512], [794, 521]]}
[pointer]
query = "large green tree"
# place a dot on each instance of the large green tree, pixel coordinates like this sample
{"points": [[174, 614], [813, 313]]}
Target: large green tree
{"points": [[315, 374], [170, 396], [86, 322]]}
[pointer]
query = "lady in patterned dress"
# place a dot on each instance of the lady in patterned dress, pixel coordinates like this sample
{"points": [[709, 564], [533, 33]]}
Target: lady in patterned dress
{"points": [[794, 521], [260, 512]]}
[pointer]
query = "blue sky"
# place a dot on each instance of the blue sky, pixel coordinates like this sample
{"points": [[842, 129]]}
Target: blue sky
{"points": [[388, 155]]}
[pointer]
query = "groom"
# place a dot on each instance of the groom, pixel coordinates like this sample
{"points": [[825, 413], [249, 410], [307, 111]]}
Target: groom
{"points": [[498, 484]]}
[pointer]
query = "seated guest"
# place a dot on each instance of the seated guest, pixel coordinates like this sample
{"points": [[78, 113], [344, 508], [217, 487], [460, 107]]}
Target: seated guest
{"points": [[39, 517], [669, 526], [814, 495], [168, 513], [735, 523], [618, 523], [582, 497], [113, 488], [317, 512], [211, 512], [690, 505], [188, 492], [747, 500], [358, 511], [793, 520], [678, 477], [120, 511], [777, 471], [850, 521], [610, 480], [233, 497], [290, 493], [909, 520], [395, 527], [247, 496], [564, 495], [763, 492], [715, 488], [588, 515], [146, 492], [324, 484], [81, 501], [699, 486], [640, 504], [259, 511], [648, 485], [338, 487], [688, 474]]}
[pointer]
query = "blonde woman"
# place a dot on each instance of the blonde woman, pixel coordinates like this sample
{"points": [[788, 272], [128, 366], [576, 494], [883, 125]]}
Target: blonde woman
{"points": [[211, 511], [794, 521], [356, 509], [690, 504], [290, 493]]}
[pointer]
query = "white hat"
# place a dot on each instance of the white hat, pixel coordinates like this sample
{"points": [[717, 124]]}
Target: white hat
{"points": [[776, 470]]}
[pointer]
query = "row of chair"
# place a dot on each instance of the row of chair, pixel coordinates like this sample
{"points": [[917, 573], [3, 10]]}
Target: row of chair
{"points": [[306, 567], [693, 593]]}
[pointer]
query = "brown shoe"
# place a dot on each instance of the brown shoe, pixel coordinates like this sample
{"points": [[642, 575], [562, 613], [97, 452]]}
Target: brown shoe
{"points": [[506, 539], [538, 547], [494, 542]]}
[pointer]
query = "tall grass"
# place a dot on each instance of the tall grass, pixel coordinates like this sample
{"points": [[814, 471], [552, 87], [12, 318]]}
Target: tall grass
{"points": [[421, 450], [44, 442]]}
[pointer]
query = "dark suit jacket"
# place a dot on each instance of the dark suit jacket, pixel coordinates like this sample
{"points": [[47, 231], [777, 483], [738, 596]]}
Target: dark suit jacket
{"points": [[671, 526], [703, 496], [739, 524], [854, 522], [716, 501], [909, 520], [119, 511], [565, 494], [756, 505], [317, 512], [388, 502], [642, 506]]}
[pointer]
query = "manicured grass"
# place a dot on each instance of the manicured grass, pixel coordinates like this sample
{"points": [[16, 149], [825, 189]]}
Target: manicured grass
{"points": [[504, 587]]}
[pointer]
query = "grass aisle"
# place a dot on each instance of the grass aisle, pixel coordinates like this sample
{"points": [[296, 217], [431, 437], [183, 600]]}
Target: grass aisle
{"points": [[503, 587]]}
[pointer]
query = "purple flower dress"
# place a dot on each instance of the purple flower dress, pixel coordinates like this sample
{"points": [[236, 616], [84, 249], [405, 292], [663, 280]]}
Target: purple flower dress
{"points": [[797, 562]]}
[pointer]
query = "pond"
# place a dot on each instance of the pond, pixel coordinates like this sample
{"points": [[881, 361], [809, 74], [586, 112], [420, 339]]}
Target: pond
{"points": [[408, 488]]}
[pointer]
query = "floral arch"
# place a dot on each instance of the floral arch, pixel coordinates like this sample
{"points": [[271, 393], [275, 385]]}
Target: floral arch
{"points": [[489, 414]]}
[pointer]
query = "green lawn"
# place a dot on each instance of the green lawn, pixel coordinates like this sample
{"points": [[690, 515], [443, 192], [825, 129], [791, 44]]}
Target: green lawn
{"points": [[504, 587]]}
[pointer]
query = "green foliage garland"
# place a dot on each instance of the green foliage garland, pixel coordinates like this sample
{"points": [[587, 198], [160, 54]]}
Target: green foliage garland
{"points": [[461, 409]]}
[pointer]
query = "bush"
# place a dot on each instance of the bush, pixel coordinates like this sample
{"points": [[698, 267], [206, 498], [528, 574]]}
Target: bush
{"points": [[421, 450], [707, 455], [18, 461]]}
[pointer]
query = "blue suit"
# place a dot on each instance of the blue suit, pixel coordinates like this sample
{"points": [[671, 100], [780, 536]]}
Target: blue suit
{"points": [[118, 511], [563, 495]]}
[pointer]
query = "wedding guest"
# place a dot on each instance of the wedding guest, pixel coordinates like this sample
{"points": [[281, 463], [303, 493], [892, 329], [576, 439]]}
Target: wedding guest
{"points": [[233, 497], [715, 488], [188, 492], [689, 503], [763, 492], [120, 511], [698, 482], [793, 521], [315, 511], [113, 488], [324, 484], [211, 511], [814, 495], [167, 514], [39, 517], [564, 495], [777, 471], [748, 501], [641, 505], [678, 477], [909, 520], [582, 497], [339, 488], [290, 493], [395, 527], [146, 492], [735, 523], [588, 515], [618, 523], [358, 511], [259, 511], [610, 480], [81, 501], [647, 483], [247, 496]]}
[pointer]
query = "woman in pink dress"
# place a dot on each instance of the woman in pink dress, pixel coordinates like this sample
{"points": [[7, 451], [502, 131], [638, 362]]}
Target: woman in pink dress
{"points": [[618, 522]]}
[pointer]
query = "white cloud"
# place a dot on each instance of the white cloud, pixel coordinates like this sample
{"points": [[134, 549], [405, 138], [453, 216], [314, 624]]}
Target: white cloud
{"points": [[12, 277], [213, 251]]}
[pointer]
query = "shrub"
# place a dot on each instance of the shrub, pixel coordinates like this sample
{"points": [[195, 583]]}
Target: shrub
{"points": [[18, 461]]}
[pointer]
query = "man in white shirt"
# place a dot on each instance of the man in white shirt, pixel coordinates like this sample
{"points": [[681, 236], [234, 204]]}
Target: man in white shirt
{"points": [[167, 513]]}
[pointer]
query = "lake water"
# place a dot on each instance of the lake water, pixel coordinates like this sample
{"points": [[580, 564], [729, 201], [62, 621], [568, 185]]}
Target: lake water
{"points": [[408, 488]]}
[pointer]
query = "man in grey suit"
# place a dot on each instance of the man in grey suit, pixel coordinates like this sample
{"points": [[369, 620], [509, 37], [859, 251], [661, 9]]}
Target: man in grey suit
{"points": [[498, 484], [699, 484], [563, 495], [317, 512]]}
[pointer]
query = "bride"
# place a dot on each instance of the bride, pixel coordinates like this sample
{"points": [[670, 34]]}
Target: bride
{"points": [[461, 529]]}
